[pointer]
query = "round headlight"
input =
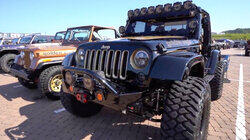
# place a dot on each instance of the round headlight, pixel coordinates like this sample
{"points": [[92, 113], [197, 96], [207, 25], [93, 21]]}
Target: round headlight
{"points": [[167, 7], [159, 9], [130, 13], [141, 59], [177, 6], [143, 11], [137, 12], [151, 10], [187, 5], [22, 54], [32, 55], [81, 54], [193, 24]]}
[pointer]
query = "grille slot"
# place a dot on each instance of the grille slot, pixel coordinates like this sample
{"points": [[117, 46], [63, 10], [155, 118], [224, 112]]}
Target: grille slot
{"points": [[112, 63]]}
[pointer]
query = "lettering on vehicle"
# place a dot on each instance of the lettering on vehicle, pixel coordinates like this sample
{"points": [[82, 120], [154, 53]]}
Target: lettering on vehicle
{"points": [[105, 47], [56, 53]]}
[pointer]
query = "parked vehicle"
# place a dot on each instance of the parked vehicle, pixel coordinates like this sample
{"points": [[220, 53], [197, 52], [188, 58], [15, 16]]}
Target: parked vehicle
{"points": [[59, 36], [247, 48], [9, 52], [5, 41], [15, 41], [41, 64], [163, 65], [223, 43]]}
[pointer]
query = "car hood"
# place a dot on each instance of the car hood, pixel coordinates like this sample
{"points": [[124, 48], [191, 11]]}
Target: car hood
{"points": [[12, 46], [150, 43]]}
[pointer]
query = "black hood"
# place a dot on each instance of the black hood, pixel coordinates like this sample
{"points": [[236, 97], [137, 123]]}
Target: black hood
{"points": [[135, 43]]}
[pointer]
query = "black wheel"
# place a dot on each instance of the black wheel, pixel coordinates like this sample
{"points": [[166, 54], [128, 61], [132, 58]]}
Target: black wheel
{"points": [[216, 83], [246, 53], [50, 81], [78, 108], [186, 110], [27, 84], [6, 61]]}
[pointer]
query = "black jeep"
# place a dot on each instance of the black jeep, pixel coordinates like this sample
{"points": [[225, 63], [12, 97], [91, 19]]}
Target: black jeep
{"points": [[164, 64]]}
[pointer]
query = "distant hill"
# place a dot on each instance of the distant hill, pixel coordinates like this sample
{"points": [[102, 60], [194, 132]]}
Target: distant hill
{"points": [[238, 31]]}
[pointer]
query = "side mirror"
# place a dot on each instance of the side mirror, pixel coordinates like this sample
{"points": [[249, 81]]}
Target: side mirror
{"points": [[121, 30]]}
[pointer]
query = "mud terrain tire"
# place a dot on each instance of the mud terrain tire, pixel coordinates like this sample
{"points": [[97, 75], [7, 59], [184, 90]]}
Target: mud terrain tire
{"points": [[45, 81], [6, 61], [186, 110], [216, 83], [77, 108]]}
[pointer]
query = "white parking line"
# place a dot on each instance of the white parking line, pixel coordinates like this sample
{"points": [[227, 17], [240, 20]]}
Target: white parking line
{"points": [[17, 86], [240, 121], [239, 80], [59, 110]]}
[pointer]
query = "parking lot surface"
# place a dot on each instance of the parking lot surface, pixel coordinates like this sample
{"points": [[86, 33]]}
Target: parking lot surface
{"points": [[26, 114]]}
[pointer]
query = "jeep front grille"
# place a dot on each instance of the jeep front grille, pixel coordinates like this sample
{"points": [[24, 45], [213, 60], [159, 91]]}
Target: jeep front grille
{"points": [[112, 63]]}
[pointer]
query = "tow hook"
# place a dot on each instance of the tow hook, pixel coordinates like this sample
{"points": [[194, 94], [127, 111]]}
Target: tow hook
{"points": [[82, 97]]}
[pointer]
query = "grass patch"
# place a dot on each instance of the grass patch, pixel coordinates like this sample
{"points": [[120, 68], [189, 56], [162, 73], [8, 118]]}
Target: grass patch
{"points": [[233, 36]]}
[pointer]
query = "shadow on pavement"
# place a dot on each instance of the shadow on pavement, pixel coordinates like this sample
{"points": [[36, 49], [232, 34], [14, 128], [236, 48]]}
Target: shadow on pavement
{"points": [[15, 90], [43, 123]]}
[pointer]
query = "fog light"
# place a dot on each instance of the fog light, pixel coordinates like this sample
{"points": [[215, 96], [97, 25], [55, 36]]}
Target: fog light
{"points": [[143, 11], [99, 97], [130, 13], [187, 4], [177, 6], [151, 10], [167, 7], [88, 82], [137, 12], [71, 89], [69, 78], [159, 9]]}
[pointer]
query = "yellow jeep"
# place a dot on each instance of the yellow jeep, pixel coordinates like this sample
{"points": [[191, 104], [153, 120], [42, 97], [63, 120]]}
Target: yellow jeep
{"points": [[39, 65]]}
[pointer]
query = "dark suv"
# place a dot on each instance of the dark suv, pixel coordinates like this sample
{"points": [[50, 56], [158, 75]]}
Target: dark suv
{"points": [[247, 48], [164, 64]]}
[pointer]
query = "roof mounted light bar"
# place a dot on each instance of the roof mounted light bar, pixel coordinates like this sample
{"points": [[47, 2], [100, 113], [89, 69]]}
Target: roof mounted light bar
{"points": [[162, 9]]}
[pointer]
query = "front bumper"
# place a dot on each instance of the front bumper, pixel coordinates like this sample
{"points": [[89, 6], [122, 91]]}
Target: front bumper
{"points": [[114, 98], [19, 71]]}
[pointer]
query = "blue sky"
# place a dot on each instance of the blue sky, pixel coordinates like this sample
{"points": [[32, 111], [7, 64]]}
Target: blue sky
{"points": [[49, 16]]}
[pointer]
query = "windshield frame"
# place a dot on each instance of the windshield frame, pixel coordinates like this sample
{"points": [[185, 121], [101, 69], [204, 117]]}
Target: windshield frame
{"points": [[69, 31], [26, 42]]}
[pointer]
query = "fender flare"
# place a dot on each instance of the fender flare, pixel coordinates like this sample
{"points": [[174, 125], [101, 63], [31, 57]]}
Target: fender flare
{"points": [[170, 67], [43, 64], [212, 61]]}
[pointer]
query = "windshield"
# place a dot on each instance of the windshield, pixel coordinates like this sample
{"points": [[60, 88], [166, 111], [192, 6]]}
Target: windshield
{"points": [[42, 39], [103, 34], [81, 34], [25, 40], [153, 27], [59, 36], [15, 41]]}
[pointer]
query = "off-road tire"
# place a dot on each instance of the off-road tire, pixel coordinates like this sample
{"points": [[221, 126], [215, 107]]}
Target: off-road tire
{"points": [[78, 108], [44, 82], [216, 83], [5, 60], [186, 110], [27, 84], [246, 53]]}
